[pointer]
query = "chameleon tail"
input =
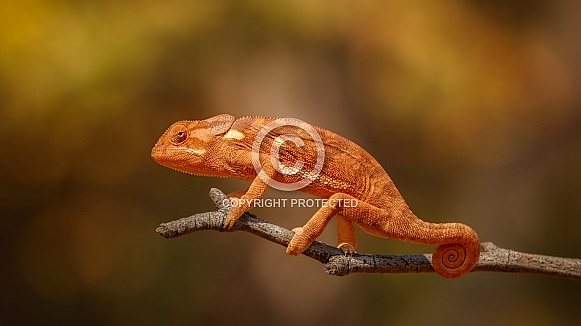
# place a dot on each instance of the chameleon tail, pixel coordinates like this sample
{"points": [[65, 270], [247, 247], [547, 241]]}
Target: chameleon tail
{"points": [[458, 244], [452, 260], [458, 250]]}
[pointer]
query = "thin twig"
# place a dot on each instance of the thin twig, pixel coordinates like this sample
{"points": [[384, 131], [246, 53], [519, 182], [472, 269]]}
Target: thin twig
{"points": [[492, 258]]}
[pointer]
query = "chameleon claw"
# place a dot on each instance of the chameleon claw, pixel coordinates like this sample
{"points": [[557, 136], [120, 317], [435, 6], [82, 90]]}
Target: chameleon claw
{"points": [[228, 224], [234, 214], [346, 248], [231, 219], [297, 244]]}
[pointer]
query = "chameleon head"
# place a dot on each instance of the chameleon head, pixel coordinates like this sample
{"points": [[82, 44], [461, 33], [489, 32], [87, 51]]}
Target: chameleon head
{"points": [[186, 146]]}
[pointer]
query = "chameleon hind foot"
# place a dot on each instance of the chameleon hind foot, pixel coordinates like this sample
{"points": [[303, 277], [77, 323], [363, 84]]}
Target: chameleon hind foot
{"points": [[346, 248], [298, 243]]}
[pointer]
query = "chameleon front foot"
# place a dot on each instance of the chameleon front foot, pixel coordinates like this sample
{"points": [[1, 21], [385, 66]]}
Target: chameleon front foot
{"points": [[229, 223], [235, 212], [298, 243]]}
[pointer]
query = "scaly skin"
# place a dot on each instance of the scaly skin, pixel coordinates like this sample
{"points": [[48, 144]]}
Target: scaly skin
{"points": [[222, 146]]}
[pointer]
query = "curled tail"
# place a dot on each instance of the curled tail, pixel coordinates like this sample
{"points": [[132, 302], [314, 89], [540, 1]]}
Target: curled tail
{"points": [[458, 244], [452, 260]]}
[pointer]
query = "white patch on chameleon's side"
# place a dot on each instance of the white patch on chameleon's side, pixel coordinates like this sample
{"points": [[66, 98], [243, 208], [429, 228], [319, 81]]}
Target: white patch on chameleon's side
{"points": [[233, 134], [287, 170], [309, 175], [278, 141], [195, 151]]}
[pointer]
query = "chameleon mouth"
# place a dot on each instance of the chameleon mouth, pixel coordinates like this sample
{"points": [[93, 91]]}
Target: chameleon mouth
{"points": [[159, 154], [163, 158], [176, 159], [166, 157]]}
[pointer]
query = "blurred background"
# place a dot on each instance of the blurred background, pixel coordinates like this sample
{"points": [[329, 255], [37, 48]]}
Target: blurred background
{"points": [[473, 107]]}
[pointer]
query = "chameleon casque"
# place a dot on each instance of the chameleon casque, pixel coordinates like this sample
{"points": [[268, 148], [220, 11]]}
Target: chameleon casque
{"points": [[222, 146]]}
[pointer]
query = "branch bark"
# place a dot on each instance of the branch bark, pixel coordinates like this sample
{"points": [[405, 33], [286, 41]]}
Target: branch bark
{"points": [[492, 258]]}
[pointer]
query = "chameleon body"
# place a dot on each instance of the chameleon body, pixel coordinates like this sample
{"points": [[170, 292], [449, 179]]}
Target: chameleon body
{"points": [[222, 146]]}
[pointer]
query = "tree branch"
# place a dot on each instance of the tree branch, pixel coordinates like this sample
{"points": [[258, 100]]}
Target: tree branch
{"points": [[492, 258]]}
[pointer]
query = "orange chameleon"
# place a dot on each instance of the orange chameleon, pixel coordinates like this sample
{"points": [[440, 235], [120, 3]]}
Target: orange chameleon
{"points": [[224, 146]]}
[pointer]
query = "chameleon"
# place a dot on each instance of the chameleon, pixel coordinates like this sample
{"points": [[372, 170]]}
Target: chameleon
{"points": [[223, 146]]}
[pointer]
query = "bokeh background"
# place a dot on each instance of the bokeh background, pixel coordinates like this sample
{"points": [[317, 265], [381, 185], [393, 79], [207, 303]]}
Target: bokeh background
{"points": [[473, 107]]}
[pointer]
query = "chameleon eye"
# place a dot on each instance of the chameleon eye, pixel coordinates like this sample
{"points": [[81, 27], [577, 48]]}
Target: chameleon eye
{"points": [[178, 134]]}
